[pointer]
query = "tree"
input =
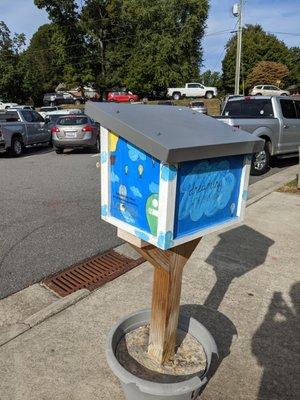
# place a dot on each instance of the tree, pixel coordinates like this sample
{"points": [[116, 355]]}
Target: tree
{"points": [[294, 76], [43, 62], [10, 77], [212, 78], [257, 46], [268, 72], [65, 16], [166, 42]]}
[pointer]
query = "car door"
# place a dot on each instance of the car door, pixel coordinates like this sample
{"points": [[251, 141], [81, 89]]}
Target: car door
{"points": [[32, 126], [290, 126], [43, 134], [193, 90]]}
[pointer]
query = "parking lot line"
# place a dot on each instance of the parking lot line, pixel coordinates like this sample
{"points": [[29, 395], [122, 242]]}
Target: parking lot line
{"points": [[95, 155]]}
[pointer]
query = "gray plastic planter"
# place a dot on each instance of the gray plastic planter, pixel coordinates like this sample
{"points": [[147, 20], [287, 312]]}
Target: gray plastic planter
{"points": [[139, 389]]}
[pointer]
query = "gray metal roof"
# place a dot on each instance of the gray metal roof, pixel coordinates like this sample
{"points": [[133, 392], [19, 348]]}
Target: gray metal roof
{"points": [[173, 134]]}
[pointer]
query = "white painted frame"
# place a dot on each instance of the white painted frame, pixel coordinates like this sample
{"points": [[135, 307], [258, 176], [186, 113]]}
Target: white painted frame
{"points": [[167, 203]]}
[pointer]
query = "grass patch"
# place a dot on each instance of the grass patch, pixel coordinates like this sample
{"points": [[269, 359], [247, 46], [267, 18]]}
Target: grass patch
{"points": [[290, 187]]}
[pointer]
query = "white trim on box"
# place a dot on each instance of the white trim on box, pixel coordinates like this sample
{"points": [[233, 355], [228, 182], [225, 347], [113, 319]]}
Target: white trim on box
{"points": [[131, 229], [105, 172], [244, 188], [167, 202], [204, 232]]}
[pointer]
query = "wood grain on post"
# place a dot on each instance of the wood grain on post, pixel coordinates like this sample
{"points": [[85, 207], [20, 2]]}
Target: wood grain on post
{"points": [[168, 267], [299, 170]]}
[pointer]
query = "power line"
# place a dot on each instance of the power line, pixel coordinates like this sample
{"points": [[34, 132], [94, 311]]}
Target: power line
{"points": [[114, 39]]}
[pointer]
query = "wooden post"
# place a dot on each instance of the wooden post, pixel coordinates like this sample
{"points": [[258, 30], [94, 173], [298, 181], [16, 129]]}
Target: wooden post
{"points": [[168, 267], [299, 170]]}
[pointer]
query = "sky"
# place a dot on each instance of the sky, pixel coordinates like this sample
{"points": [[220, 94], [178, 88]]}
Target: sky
{"points": [[22, 16]]}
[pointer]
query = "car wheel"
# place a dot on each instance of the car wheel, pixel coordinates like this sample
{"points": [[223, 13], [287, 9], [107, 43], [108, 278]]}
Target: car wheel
{"points": [[209, 95], [260, 161], [176, 96], [58, 150], [283, 94], [77, 102], [131, 100], [17, 147], [258, 94]]}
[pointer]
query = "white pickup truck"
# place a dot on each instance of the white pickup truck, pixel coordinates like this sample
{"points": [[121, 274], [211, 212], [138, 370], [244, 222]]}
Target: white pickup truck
{"points": [[5, 106], [21, 128], [192, 90]]}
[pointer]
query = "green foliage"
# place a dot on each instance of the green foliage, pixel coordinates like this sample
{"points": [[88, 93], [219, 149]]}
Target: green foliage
{"points": [[139, 44], [166, 42], [10, 46], [268, 72], [43, 63], [294, 76], [257, 46], [212, 78]]}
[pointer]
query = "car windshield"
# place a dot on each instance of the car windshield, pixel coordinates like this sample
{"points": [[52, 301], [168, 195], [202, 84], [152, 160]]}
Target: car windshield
{"points": [[249, 108], [197, 104], [72, 120], [51, 119]]}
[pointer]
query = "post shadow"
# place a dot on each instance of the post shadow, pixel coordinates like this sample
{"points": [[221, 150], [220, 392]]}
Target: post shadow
{"points": [[276, 345], [239, 251]]}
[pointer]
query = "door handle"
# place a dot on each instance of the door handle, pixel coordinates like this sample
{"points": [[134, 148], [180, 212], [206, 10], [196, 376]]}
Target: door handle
{"points": [[286, 126]]}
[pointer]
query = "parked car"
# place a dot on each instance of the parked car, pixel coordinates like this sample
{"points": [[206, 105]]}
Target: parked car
{"points": [[22, 107], [5, 106], [272, 118], [165, 103], [198, 106], [122, 97], [21, 128], [268, 90], [73, 131], [52, 117], [44, 110], [54, 99], [192, 90]]}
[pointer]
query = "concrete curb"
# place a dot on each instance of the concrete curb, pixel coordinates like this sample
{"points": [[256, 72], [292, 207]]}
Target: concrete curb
{"points": [[271, 183], [10, 332]]}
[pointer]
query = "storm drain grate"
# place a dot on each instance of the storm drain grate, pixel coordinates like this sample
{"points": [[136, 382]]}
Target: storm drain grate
{"points": [[91, 273]]}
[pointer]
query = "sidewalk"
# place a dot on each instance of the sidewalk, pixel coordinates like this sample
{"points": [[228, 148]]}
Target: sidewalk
{"points": [[241, 284]]}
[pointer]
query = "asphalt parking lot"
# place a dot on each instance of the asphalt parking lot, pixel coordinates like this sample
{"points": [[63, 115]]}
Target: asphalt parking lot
{"points": [[50, 214]]}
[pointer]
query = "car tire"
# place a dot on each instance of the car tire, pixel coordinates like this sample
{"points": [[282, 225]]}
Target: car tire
{"points": [[258, 94], [96, 147], [176, 96], [283, 94], [17, 147], [209, 95], [58, 150], [77, 102], [131, 100], [260, 161]]}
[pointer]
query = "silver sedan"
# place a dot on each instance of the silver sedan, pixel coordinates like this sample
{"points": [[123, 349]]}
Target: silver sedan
{"points": [[75, 131]]}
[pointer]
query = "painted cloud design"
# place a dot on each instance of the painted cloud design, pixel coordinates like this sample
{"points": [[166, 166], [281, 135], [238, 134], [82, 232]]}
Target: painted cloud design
{"points": [[135, 191], [206, 190], [135, 154]]}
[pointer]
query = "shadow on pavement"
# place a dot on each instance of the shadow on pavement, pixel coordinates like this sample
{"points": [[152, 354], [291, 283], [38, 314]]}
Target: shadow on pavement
{"points": [[221, 328], [239, 251], [283, 162], [276, 345]]}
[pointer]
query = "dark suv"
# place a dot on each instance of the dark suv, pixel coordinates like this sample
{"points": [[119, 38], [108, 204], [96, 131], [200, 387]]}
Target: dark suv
{"points": [[54, 99]]}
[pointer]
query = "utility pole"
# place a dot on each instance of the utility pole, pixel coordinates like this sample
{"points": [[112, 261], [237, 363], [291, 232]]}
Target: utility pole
{"points": [[238, 12]]}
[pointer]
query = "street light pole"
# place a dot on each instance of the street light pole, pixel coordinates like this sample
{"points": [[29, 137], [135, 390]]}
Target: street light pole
{"points": [[239, 15]]}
